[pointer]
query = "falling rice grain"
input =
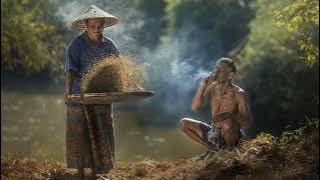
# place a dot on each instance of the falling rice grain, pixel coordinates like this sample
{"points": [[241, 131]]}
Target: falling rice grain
{"points": [[114, 74]]}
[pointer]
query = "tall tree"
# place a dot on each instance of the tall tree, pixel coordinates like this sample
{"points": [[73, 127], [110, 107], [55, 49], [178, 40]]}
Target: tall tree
{"points": [[153, 12], [302, 18], [30, 38]]}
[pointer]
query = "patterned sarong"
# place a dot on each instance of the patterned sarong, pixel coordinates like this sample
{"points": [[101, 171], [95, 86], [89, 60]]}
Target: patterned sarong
{"points": [[90, 140], [213, 136]]}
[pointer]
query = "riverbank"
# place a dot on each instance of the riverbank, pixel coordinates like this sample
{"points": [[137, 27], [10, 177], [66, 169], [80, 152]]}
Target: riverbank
{"points": [[259, 157]]}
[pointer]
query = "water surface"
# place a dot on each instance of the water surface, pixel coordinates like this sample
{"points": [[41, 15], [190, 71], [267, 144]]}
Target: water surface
{"points": [[34, 124]]}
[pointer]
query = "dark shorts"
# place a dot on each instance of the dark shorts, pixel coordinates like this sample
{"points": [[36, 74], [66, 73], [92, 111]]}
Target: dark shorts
{"points": [[220, 143], [205, 128]]}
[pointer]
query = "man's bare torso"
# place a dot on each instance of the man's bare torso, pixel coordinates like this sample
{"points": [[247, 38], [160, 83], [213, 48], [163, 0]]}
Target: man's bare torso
{"points": [[229, 106], [227, 101]]}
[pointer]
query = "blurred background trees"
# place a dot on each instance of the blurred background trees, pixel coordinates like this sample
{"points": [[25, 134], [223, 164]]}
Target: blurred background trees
{"points": [[274, 63], [31, 36], [214, 27], [274, 43], [302, 19]]}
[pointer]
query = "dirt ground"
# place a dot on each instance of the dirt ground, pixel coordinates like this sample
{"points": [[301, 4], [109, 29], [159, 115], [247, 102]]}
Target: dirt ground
{"points": [[254, 159]]}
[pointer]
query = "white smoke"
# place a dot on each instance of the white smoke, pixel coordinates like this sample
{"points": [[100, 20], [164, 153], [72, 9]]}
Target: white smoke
{"points": [[172, 76], [69, 11]]}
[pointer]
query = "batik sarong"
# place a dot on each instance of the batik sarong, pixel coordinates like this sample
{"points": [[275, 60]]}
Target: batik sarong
{"points": [[213, 136], [90, 140]]}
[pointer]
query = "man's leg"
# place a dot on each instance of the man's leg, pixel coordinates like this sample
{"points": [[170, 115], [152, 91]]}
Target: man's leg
{"points": [[192, 129], [230, 132]]}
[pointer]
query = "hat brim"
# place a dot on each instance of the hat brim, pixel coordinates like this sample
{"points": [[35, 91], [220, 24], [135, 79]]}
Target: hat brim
{"points": [[108, 21]]}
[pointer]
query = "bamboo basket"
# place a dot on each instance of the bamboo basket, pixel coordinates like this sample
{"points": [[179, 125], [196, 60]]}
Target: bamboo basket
{"points": [[108, 97]]}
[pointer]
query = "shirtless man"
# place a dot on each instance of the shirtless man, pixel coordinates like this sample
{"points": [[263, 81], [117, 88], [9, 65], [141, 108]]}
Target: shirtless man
{"points": [[229, 109]]}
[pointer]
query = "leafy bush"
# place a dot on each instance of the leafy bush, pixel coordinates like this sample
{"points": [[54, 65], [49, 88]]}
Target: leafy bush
{"points": [[287, 137]]}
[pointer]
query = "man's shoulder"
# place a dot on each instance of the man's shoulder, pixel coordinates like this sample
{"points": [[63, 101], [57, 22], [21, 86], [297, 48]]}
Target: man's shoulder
{"points": [[239, 91]]}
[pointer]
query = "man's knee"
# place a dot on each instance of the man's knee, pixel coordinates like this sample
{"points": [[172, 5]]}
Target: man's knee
{"points": [[184, 123], [227, 125]]}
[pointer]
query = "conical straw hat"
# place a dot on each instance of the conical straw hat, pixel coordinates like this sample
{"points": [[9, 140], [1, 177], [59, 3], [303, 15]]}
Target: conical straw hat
{"points": [[94, 12]]}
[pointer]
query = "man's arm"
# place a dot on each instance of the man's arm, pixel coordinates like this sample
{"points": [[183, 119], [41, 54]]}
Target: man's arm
{"points": [[243, 116], [202, 93], [198, 97]]}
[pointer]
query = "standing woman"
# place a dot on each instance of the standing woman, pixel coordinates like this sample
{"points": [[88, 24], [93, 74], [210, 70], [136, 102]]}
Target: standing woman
{"points": [[90, 132]]}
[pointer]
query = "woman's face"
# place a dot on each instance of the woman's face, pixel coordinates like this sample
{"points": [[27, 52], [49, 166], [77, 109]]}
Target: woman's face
{"points": [[94, 27]]}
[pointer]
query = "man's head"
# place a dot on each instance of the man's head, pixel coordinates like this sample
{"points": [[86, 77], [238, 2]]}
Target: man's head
{"points": [[224, 70], [94, 27]]}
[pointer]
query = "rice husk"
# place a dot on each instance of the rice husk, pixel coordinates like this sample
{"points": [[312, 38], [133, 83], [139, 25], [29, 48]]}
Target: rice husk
{"points": [[114, 74], [253, 158]]}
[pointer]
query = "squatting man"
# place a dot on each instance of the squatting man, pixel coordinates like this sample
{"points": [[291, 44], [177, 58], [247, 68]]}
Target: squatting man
{"points": [[229, 109]]}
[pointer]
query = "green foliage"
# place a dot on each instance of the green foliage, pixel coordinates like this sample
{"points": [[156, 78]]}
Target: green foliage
{"points": [[287, 137], [296, 135], [291, 136], [267, 137], [282, 88], [29, 38], [301, 17], [277, 35], [214, 27], [312, 123]]}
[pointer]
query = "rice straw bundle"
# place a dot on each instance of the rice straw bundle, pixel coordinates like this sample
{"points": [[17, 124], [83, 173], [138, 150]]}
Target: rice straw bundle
{"points": [[114, 74]]}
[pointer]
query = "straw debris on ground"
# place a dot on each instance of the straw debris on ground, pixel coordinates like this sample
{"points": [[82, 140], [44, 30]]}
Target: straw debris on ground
{"points": [[114, 74], [262, 157]]}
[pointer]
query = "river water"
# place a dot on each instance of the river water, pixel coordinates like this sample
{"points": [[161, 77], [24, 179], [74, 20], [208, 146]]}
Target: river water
{"points": [[33, 124]]}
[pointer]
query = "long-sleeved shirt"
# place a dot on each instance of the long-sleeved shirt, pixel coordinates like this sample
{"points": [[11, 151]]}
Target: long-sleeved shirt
{"points": [[82, 55]]}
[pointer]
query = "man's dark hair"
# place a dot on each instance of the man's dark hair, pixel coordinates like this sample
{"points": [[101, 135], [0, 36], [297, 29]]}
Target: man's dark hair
{"points": [[230, 63]]}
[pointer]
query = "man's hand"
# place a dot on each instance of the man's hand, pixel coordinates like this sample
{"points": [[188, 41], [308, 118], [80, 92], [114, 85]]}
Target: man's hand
{"points": [[209, 79], [203, 91], [219, 117]]}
